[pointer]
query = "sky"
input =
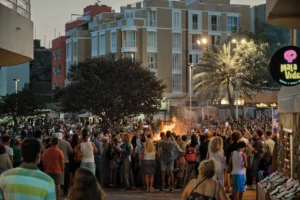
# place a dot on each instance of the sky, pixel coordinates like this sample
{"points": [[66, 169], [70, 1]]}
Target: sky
{"points": [[49, 15]]}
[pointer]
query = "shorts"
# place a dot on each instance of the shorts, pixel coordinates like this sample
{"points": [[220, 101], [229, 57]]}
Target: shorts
{"points": [[167, 165], [238, 182], [58, 178]]}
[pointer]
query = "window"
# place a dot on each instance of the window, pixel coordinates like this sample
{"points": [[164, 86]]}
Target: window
{"points": [[58, 53], [129, 39], [102, 44], [129, 14], [75, 49], [233, 23], [94, 45], [195, 45], [151, 39], [69, 50], [177, 63], [152, 18], [176, 42], [194, 59], [214, 22], [195, 21], [215, 40], [58, 72], [177, 82], [113, 41], [176, 20], [152, 58]]}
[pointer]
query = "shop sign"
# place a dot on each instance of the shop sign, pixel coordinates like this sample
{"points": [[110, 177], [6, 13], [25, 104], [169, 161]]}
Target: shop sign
{"points": [[285, 66]]}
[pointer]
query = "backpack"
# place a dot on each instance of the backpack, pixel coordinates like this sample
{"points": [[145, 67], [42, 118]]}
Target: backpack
{"points": [[191, 154], [77, 154]]}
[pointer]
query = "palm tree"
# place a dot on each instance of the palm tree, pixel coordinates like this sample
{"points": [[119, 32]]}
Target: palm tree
{"points": [[223, 71]]}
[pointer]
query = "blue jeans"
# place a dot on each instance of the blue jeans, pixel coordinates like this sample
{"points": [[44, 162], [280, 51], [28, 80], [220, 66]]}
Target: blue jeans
{"points": [[90, 165]]}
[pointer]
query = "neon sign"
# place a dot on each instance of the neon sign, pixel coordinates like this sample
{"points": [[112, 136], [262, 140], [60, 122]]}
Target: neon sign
{"points": [[284, 66]]}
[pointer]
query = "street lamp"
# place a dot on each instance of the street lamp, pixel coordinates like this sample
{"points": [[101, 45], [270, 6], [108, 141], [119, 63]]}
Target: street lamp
{"points": [[234, 41], [16, 84]]}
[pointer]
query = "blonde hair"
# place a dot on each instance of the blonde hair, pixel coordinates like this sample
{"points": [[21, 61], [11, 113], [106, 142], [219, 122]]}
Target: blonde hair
{"points": [[149, 146], [216, 144], [207, 168]]}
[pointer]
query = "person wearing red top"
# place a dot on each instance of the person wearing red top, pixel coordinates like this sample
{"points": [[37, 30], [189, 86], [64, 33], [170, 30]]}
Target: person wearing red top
{"points": [[53, 160]]}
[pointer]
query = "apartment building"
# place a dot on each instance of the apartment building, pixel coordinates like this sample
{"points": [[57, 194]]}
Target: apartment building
{"points": [[59, 62], [167, 36], [16, 32]]}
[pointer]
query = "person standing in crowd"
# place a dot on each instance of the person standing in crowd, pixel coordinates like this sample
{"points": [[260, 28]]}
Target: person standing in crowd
{"points": [[97, 156], [53, 160], [140, 148], [216, 153], [105, 163], [256, 148], [183, 143], [9, 151], [86, 187], [204, 146], [125, 151], [67, 150], [181, 166], [149, 164], [204, 187], [87, 150], [27, 181], [5, 163], [167, 159], [266, 158], [191, 158], [17, 160], [75, 158], [238, 160]]}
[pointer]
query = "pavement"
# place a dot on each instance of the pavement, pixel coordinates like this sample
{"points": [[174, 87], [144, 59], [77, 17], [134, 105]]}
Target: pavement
{"points": [[113, 194]]}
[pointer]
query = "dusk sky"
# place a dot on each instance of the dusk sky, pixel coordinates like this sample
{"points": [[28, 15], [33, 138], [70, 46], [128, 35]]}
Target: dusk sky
{"points": [[50, 14]]}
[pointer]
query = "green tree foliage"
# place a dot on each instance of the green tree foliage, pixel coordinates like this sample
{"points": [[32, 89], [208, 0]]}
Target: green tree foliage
{"points": [[112, 89], [223, 70], [18, 106]]}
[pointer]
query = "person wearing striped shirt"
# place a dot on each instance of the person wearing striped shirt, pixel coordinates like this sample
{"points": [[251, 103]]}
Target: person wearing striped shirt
{"points": [[27, 182]]}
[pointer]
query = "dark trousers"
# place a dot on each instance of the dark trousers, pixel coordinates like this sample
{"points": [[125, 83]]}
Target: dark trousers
{"points": [[66, 178], [99, 170]]}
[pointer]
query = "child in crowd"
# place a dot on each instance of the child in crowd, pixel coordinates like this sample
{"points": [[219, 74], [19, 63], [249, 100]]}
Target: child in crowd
{"points": [[238, 160], [181, 166]]}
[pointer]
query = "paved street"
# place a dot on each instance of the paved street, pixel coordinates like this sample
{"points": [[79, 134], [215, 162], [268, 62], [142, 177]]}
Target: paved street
{"points": [[138, 194]]}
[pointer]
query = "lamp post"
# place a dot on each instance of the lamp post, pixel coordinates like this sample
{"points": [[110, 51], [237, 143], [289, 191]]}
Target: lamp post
{"points": [[16, 84], [203, 41]]}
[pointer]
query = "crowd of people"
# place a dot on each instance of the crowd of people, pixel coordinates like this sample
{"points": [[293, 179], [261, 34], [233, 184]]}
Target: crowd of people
{"points": [[207, 161]]}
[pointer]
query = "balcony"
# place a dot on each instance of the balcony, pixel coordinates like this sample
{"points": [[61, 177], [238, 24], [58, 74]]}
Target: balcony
{"points": [[152, 23], [16, 35], [129, 46], [195, 26], [196, 47], [283, 14], [215, 27]]}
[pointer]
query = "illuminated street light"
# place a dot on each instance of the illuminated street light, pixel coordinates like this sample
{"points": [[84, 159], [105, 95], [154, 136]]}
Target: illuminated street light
{"points": [[234, 41], [198, 42], [204, 41]]}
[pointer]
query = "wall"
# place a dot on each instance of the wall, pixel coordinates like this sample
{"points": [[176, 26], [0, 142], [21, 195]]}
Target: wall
{"points": [[16, 36]]}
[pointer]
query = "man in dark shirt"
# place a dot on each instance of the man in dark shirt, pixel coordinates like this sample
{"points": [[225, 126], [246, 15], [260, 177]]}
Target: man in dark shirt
{"points": [[236, 136], [204, 146], [97, 156]]}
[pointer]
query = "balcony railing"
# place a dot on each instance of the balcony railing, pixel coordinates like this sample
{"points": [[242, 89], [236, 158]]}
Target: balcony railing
{"points": [[152, 66], [215, 27], [196, 46], [129, 43], [152, 23], [195, 25], [20, 6]]}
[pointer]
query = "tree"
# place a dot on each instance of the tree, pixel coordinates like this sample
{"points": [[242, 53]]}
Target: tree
{"points": [[112, 89], [18, 106], [223, 70]]}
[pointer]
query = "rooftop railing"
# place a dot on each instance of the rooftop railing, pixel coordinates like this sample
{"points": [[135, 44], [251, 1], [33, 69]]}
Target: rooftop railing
{"points": [[21, 6]]}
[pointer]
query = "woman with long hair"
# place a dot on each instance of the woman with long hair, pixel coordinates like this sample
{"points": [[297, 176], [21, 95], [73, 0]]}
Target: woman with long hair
{"points": [[86, 186], [149, 164], [216, 153], [204, 187], [73, 159], [191, 158]]}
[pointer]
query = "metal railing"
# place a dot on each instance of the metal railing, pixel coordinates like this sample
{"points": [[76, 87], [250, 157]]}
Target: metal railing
{"points": [[152, 23], [129, 43], [20, 6], [215, 27], [196, 46]]}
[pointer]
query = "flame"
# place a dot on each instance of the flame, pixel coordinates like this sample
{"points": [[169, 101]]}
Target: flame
{"points": [[166, 127]]}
